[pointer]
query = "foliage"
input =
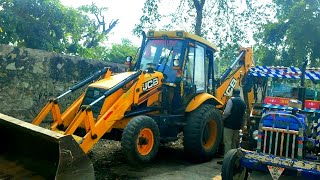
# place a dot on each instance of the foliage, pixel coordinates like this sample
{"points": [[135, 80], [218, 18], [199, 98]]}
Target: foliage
{"points": [[294, 37], [36, 24], [226, 23], [48, 25], [119, 52], [149, 18], [97, 29]]}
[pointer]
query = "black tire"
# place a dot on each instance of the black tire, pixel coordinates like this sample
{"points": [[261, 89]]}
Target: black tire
{"points": [[139, 131], [203, 133], [231, 167]]}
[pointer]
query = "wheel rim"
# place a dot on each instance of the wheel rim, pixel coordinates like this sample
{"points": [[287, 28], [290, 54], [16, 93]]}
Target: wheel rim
{"points": [[145, 141], [209, 135]]}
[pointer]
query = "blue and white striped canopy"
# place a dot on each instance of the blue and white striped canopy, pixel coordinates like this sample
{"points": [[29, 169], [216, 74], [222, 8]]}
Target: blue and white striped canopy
{"points": [[312, 74]]}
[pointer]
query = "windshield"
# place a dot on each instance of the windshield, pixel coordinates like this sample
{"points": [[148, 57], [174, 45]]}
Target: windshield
{"points": [[162, 53]]}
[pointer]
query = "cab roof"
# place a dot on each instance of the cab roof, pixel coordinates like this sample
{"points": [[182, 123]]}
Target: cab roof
{"points": [[180, 34]]}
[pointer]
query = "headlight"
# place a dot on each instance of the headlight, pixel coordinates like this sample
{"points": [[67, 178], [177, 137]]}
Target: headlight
{"points": [[309, 143], [255, 134]]}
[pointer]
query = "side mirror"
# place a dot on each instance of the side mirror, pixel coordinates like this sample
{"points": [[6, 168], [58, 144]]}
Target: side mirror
{"points": [[128, 60]]}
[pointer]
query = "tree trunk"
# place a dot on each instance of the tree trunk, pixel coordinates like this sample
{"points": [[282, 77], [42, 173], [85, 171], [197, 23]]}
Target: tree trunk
{"points": [[198, 23], [199, 8]]}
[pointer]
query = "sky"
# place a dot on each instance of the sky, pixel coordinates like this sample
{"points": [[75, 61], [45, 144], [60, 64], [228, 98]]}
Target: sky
{"points": [[127, 11]]}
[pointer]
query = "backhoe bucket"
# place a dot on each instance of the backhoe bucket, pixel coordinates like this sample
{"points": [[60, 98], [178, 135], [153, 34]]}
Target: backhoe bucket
{"points": [[32, 152]]}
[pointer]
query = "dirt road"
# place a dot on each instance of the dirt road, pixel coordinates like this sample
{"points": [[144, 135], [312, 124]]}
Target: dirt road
{"points": [[109, 163]]}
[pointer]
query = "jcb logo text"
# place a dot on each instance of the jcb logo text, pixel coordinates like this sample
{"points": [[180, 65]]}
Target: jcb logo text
{"points": [[231, 86], [149, 84]]}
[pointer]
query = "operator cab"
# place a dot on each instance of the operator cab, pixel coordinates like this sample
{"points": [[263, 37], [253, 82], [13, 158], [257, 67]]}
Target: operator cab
{"points": [[179, 56], [186, 61]]}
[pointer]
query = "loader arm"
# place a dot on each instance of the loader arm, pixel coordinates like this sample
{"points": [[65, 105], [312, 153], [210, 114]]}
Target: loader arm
{"points": [[114, 113], [234, 75], [53, 106]]}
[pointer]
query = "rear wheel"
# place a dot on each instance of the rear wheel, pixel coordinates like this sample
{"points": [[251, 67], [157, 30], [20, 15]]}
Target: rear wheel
{"points": [[202, 134], [231, 167], [140, 139]]}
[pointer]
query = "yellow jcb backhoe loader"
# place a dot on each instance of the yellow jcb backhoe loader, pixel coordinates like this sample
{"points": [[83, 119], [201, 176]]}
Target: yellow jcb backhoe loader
{"points": [[169, 89]]}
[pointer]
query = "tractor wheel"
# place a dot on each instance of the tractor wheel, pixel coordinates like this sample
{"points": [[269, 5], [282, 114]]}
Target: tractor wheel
{"points": [[231, 167], [140, 140], [203, 133]]}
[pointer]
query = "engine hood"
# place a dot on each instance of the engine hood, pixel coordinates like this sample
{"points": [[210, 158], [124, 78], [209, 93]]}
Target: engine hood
{"points": [[111, 81]]}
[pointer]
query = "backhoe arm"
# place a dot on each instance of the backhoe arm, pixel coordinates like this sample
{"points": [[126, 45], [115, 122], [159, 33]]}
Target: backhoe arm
{"points": [[232, 77]]}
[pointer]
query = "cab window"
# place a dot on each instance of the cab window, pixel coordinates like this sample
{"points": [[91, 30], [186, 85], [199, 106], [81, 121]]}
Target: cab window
{"points": [[199, 69], [162, 53]]}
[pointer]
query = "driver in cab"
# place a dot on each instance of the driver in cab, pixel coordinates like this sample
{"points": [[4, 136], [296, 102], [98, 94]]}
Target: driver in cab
{"points": [[167, 67]]}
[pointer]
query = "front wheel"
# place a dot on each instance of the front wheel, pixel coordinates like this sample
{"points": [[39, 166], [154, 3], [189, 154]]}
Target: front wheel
{"points": [[203, 133], [140, 140], [231, 167]]}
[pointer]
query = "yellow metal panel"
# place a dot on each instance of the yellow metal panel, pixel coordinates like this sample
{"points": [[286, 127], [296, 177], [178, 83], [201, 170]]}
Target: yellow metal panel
{"points": [[106, 122], [237, 75], [111, 81], [72, 110], [121, 124], [173, 34], [199, 99], [221, 92], [43, 113], [109, 101], [154, 98]]}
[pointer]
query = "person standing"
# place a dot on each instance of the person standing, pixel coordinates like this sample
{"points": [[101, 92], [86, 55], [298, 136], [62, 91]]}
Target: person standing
{"points": [[233, 121]]}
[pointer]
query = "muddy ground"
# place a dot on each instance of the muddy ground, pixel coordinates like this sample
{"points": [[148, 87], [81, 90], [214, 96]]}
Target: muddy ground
{"points": [[170, 163]]}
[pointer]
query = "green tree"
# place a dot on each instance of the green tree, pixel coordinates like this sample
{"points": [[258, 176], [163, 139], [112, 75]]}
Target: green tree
{"points": [[48, 25], [36, 24], [119, 52], [294, 37], [149, 17], [97, 30]]}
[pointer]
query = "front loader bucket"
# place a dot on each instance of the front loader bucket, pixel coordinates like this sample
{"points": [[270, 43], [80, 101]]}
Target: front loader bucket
{"points": [[32, 152]]}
